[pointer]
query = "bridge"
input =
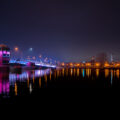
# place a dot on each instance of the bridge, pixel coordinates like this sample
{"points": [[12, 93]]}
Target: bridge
{"points": [[37, 63], [5, 59]]}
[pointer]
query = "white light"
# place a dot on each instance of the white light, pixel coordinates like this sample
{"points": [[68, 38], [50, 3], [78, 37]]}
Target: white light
{"points": [[30, 88], [30, 49]]}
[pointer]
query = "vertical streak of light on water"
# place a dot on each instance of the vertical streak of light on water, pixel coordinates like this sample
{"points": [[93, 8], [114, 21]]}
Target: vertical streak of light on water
{"points": [[83, 72], [111, 77]]}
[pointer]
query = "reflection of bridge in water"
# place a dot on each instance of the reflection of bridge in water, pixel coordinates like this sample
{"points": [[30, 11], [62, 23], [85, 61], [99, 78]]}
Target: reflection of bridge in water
{"points": [[8, 79], [16, 84]]}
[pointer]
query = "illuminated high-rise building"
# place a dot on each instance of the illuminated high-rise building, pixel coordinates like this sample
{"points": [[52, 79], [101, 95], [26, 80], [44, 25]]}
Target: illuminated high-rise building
{"points": [[4, 55]]}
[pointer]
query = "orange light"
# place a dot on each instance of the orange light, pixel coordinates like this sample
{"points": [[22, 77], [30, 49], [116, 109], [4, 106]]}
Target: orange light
{"points": [[97, 72], [16, 49], [15, 89], [107, 72], [106, 65], [71, 64], [82, 65], [63, 64], [88, 64], [117, 65], [97, 64], [77, 65], [118, 73]]}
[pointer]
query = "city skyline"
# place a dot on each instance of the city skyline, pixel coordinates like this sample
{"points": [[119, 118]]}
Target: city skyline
{"points": [[57, 44]]}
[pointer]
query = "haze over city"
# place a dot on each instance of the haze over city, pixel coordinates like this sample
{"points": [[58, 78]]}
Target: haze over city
{"points": [[57, 44], [65, 30]]}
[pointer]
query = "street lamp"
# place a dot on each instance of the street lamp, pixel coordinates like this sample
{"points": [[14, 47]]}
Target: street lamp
{"points": [[40, 56], [31, 49], [16, 49]]}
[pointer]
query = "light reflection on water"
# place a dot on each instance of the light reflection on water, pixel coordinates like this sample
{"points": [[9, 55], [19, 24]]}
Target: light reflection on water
{"points": [[111, 77], [13, 82], [9, 79], [83, 72], [107, 72], [97, 72], [118, 73], [27, 75], [88, 72], [78, 72]]}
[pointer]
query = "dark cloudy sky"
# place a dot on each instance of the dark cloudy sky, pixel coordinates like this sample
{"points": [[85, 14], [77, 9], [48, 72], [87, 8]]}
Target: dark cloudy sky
{"points": [[67, 30]]}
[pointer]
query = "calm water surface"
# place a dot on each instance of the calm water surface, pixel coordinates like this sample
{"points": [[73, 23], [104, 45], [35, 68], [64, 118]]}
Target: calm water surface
{"points": [[29, 83]]}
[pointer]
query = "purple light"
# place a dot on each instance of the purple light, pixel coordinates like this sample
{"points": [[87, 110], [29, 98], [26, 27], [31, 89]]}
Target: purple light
{"points": [[8, 53], [1, 53], [4, 52], [0, 88]]}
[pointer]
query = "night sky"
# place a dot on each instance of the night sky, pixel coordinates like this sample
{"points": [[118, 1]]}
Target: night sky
{"points": [[66, 30]]}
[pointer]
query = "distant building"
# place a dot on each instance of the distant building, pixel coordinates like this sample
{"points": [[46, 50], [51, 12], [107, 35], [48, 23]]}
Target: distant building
{"points": [[111, 58], [102, 58], [92, 61], [4, 55]]}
